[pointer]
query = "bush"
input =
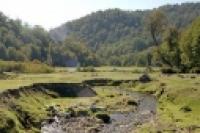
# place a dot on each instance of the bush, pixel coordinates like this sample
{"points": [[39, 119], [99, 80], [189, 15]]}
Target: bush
{"points": [[145, 78], [24, 67], [86, 69], [169, 70], [186, 109], [36, 68], [195, 70]]}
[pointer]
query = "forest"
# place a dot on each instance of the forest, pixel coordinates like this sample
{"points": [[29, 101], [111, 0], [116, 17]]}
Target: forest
{"points": [[111, 37]]}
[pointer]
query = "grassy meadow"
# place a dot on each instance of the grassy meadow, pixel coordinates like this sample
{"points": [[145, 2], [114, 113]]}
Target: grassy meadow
{"points": [[178, 107], [68, 75]]}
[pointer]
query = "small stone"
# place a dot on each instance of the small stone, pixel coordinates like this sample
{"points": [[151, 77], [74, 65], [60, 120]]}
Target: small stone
{"points": [[132, 102], [104, 117]]}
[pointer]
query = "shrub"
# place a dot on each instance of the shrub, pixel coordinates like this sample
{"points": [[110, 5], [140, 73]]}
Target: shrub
{"points": [[186, 109], [145, 78], [86, 69], [24, 67], [195, 70], [169, 70], [36, 68]]}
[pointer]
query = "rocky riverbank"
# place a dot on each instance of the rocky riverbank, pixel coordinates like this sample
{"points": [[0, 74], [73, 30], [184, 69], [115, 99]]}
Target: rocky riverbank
{"points": [[119, 122]]}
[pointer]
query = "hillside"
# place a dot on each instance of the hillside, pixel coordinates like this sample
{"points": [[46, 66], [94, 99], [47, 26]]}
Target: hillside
{"points": [[117, 35], [21, 42], [110, 37]]}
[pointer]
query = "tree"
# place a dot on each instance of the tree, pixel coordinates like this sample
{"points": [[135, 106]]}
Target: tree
{"points": [[16, 55], [190, 45], [156, 25], [170, 47], [3, 52], [49, 56]]}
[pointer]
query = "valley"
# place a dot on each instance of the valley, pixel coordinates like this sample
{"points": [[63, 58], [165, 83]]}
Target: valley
{"points": [[129, 68]]}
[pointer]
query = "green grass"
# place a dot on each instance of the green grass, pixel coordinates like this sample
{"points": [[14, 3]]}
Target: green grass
{"points": [[65, 75], [179, 92]]}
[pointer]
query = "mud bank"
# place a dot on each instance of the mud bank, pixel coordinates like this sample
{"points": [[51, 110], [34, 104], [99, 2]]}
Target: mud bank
{"points": [[107, 82], [52, 89], [24, 108]]}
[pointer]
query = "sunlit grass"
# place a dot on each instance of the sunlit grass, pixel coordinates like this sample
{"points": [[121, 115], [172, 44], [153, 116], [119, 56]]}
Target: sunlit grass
{"points": [[178, 92], [67, 75]]}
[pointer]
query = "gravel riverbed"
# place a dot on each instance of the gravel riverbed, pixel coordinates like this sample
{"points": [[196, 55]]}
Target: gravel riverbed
{"points": [[121, 122]]}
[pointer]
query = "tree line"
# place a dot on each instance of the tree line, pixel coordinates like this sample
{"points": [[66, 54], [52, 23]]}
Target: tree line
{"points": [[175, 48], [122, 38], [167, 36]]}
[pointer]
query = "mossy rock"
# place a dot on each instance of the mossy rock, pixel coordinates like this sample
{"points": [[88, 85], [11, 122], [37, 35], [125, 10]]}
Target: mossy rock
{"points": [[145, 78], [82, 113], [104, 117]]}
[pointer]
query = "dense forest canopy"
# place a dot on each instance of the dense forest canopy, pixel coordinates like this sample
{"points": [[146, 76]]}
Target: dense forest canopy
{"points": [[121, 37], [110, 37]]}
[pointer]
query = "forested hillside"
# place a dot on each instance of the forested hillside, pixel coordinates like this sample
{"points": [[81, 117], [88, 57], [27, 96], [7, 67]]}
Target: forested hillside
{"points": [[110, 37], [121, 37], [21, 42]]}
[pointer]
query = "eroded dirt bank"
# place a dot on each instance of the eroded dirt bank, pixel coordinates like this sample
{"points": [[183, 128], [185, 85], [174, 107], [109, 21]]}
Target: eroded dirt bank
{"points": [[24, 108], [52, 89]]}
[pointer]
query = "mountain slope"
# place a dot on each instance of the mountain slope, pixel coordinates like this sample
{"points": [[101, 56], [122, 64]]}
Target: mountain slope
{"points": [[113, 24], [116, 35]]}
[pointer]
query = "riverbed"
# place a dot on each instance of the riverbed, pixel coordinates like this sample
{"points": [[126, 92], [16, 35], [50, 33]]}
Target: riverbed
{"points": [[121, 122]]}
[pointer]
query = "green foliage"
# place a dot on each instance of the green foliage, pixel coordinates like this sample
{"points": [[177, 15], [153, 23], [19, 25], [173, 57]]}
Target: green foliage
{"points": [[169, 70], [111, 37], [24, 67], [156, 25], [118, 37], [195, 70], [8, 122], [20, 42], [3, 52], [190, 45], [86, 69], [170, 47], [179, 51]]}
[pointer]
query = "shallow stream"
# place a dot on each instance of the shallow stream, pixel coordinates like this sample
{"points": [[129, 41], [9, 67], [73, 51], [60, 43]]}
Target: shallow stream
{"points": [[121, 122]]}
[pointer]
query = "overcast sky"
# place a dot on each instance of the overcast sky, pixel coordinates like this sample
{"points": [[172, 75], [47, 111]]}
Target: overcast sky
{"points": [[52, 13]]}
